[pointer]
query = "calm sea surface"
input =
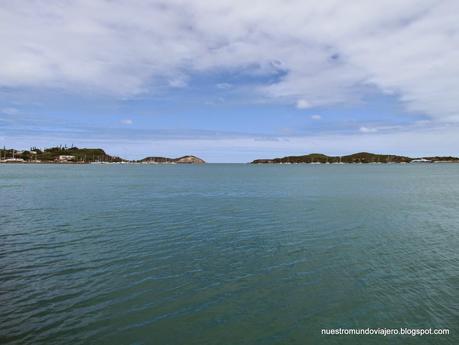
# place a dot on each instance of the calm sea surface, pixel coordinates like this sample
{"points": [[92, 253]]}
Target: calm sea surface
{"points": [[227, 254]]}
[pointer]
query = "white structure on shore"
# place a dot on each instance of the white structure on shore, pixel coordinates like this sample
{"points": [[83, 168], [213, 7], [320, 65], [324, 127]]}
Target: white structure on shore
{"points": [[421, 160], [13, 160], [65, 158]]}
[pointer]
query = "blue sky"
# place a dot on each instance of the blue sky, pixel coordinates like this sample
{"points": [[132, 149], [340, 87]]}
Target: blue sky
{"points": [[231, 82]]}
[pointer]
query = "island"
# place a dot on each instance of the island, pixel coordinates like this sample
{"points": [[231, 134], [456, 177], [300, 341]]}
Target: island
{"points": [[75, 155], [165, 160], [356, 158]]}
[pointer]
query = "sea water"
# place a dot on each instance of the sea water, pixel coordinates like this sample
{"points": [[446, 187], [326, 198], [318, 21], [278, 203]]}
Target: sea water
{"points": [[228, 253]]}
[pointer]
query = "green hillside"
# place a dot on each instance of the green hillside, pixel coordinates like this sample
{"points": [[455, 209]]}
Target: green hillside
{"points": [[361, 157], [83, 155]]}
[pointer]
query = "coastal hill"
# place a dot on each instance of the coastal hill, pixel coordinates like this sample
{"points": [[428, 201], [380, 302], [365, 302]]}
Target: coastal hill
{"points": [[361, 157], [63, 154], [165, 160]]}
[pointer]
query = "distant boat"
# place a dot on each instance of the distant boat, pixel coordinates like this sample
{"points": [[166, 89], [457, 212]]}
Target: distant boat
{"points": [[340, 161]]}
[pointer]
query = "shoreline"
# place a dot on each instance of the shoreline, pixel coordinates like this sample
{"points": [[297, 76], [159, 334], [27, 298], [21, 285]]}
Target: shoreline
{"points": [[270, 163]]}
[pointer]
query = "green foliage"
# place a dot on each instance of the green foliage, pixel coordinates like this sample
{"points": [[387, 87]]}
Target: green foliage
{"points": [[51, 154], [361, 157]]}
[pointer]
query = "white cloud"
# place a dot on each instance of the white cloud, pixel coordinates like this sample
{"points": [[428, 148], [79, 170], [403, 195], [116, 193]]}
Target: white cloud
{"points": [[224, 86], [177, 83], [303, 104], [414, 142], [316, 117], [127, 122], [364, 129], [326, 52]]}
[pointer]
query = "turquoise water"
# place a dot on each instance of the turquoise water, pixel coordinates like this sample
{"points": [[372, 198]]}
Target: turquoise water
{"points": [[227, 254]]}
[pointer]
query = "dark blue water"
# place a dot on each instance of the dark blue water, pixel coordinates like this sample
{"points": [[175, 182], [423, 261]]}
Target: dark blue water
{"points": [[227, 254]]}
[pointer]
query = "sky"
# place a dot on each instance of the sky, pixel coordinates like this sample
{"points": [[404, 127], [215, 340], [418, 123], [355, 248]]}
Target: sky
{"points": [[231, 81]]}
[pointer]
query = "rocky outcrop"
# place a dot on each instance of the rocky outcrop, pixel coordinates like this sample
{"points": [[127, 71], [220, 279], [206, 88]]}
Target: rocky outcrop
{"points": [[180, 160], [189, 160]]}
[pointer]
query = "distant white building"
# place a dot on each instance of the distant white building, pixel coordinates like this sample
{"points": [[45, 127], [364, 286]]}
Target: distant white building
{"points": [[13, 160], [65, 158], [421, 160]]}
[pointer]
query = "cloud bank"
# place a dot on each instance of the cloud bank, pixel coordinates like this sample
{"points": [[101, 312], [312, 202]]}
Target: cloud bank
{"points": [[309, 53], [233, 147]]}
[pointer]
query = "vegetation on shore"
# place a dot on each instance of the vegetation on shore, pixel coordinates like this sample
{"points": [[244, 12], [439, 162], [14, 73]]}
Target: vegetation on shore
{"points": [[59, 153], [63, 154], [361, 157]]}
